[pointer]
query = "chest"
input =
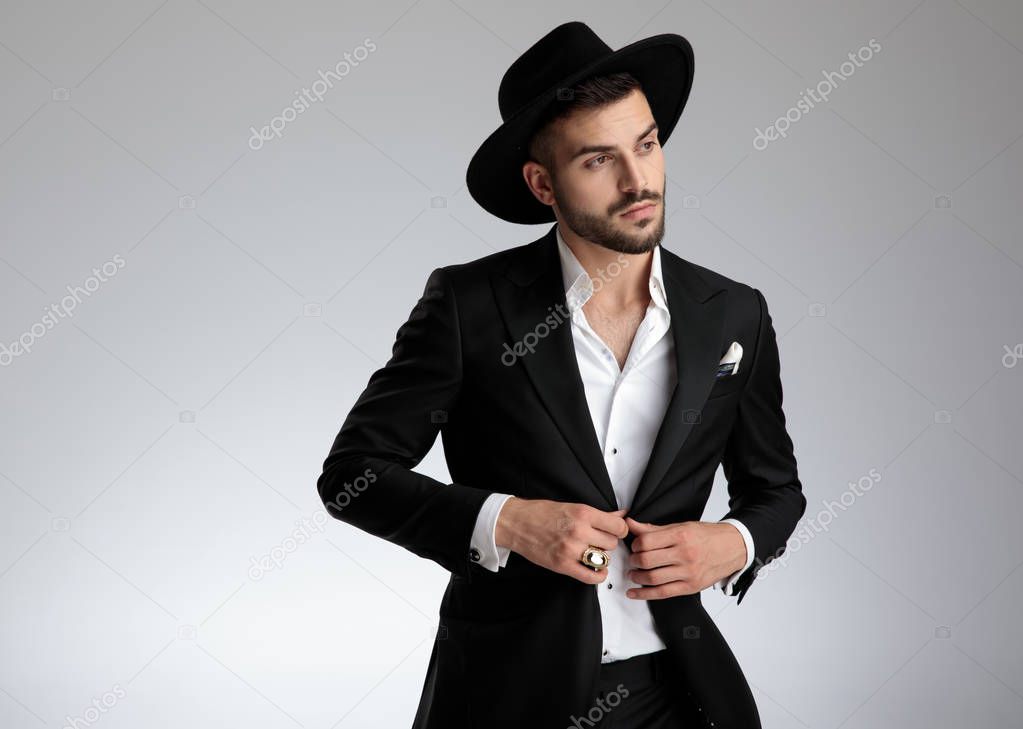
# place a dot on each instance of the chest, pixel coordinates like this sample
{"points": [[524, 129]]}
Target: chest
{"points": [[617, 330]]}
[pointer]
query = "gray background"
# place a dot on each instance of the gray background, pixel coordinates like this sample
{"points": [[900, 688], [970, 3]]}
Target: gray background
{"points": [[172, 428]]}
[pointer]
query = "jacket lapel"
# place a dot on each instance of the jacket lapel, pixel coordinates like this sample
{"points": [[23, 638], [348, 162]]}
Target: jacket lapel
{"points": [[531, 298], [697, 325]]}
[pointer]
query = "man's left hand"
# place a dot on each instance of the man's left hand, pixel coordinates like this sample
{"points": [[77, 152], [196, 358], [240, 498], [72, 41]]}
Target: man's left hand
{"points": [[682, 558]]}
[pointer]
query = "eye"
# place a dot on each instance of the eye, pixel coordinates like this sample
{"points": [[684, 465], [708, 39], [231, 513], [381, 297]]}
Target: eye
{"points": [[593, 162], [650, 142]]}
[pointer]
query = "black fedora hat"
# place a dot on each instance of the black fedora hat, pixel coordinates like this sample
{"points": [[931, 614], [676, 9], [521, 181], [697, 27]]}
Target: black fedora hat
{"points": [[542, 77]]}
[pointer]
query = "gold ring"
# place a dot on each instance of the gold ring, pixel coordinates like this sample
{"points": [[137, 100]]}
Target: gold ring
{"points": [[595, 559]]}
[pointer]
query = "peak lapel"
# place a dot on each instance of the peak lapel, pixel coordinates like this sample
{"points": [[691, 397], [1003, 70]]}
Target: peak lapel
{"points": [[697, 325], [531, 297]]}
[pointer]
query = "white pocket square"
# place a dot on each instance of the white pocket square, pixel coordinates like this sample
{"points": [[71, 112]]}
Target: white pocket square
{"points": [[729, 364]]}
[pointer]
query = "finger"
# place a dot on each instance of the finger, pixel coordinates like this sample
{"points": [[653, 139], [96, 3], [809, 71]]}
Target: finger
{"points": [[650, 559], [659, 539], [609, 522], [659, 592], [584, 574], [601, 539], [568, 563], [640, 527], [657, 576]]}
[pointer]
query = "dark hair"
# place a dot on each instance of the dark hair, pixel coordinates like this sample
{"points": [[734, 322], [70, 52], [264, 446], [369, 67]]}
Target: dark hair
{"points": [[591, 93]]}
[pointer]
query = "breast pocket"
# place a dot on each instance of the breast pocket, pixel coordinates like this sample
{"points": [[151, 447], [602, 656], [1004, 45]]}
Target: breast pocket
{"points": [[726, 385]]}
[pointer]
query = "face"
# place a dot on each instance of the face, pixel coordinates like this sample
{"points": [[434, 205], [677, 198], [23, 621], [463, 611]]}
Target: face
{"points": [[605, 162]]}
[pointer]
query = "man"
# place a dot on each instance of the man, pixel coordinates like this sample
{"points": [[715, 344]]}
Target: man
{"points": [[586, 386]]}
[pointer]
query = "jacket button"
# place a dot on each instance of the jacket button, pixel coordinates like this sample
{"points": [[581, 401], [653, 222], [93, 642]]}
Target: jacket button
{"points": [[474, 554]]}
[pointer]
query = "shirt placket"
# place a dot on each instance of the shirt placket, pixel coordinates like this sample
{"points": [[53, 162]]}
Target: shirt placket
{"points": [[612, 629]]}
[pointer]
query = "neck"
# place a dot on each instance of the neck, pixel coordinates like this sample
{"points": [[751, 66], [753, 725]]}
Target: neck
{"points": [[621, 280]]}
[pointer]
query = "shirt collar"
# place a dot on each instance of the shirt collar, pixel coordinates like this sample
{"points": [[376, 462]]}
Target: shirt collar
{"points": [[579, 285]]}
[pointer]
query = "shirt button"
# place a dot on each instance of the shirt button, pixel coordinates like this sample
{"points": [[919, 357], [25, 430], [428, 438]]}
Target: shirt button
{"points": [[609, 585], [614, 450], [474, 554], [605, 653]]}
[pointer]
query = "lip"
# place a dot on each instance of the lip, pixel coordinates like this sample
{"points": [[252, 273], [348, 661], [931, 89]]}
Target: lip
{"points": [[639, 211]]}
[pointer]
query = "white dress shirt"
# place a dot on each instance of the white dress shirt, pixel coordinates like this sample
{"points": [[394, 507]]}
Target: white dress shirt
{"points": [[627, 406]]}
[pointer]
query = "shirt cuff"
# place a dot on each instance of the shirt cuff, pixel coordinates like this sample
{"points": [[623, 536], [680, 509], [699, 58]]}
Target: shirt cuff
{"points": [[727, 585], [492, 557]]}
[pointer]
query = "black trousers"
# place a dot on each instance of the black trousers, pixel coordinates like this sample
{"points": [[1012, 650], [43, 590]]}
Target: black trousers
{"points": [[638, 693]]}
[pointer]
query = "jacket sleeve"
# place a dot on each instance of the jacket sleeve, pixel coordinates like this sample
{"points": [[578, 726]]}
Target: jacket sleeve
{"points": [[764, 489], [367, 479]]}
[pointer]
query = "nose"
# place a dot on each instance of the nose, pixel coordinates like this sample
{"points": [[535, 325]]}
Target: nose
{"points": [[633, 175]]}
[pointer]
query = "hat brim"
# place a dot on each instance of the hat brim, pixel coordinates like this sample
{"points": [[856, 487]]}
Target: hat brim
{"points": [[664, 66]]}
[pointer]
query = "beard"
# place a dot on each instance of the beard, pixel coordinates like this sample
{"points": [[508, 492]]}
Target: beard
{"points": [[639, 237]]}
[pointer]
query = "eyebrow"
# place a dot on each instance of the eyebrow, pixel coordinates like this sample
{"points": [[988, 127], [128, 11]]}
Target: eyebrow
{"points": [[592, 148]]}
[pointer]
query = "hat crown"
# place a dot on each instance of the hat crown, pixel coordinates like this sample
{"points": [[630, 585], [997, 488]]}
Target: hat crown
{"points": [[566, 49]]}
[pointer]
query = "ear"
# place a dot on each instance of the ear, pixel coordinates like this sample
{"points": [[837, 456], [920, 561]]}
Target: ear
{"points": [[537, 179]]}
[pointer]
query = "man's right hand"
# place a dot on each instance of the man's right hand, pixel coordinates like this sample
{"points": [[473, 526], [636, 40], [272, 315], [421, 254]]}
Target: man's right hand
{"points": [[554, 534]]}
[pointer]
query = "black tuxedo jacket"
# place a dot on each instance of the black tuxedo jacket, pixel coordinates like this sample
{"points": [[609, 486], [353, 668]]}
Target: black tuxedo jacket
{"points": [[486, 358]]}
